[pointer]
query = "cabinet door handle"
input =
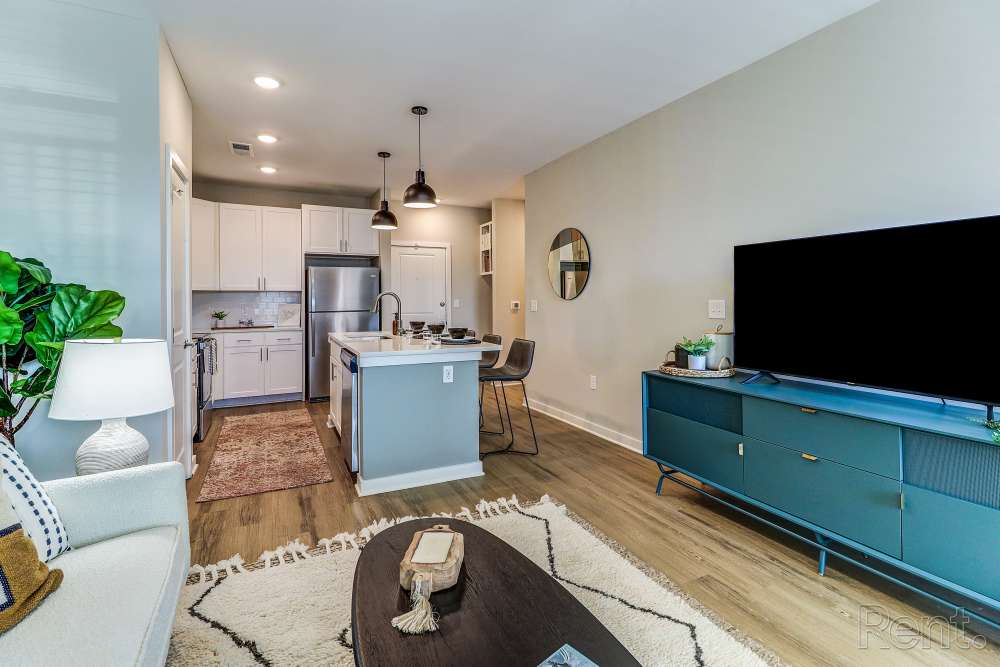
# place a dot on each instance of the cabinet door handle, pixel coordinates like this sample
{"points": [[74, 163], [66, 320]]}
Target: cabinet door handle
{"points": [[808, 411], [265, 283], [243, 340], [267, 354], [262, 359], [809, 457]]}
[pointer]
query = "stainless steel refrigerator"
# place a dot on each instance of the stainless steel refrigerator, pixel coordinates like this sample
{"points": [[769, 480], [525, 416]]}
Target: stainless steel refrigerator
{"points": [[338, 298]]}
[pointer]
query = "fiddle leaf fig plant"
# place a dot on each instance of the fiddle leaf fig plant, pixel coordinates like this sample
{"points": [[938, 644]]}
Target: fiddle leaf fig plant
{"points": [[36, 317]]}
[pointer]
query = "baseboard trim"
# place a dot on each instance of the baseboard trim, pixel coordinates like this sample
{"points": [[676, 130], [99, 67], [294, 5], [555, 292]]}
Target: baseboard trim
{"points": [[256, 400], [611, 435], [409, 480]]}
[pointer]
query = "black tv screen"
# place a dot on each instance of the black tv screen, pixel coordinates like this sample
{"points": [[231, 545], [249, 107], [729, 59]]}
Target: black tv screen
{"points": [[911, 309]]}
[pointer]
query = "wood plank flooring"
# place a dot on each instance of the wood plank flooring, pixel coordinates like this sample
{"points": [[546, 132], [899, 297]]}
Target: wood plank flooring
{"points": [[763, 583]]}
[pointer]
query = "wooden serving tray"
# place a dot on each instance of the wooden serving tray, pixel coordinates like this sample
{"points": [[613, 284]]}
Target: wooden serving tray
{"points": [[688, 373]]}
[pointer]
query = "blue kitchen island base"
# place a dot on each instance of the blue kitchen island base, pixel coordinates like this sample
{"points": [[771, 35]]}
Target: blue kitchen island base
{"points": [[903, 488]]}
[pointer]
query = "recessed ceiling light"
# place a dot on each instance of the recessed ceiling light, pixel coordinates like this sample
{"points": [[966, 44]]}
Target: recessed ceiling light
{"points": [[268, 170], [266, 82], [267, 138]]}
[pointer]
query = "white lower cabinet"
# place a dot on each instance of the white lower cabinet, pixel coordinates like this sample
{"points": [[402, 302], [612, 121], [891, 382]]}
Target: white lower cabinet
{"points": [[255, 364], [336, 386], [244, 371], [283, 369]]}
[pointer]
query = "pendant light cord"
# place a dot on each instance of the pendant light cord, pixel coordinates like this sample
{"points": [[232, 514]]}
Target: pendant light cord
{"points": [[384, 195], [420, 155]]}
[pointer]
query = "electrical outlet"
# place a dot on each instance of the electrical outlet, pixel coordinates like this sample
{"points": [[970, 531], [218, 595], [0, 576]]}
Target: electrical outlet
{"points": [[457, 303], [716, 309], [533, 306], [515, 305], [448, 374], [593, 382]]}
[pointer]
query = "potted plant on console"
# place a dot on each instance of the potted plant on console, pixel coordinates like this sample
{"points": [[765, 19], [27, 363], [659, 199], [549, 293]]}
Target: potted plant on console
{"points": [[697, 351]]}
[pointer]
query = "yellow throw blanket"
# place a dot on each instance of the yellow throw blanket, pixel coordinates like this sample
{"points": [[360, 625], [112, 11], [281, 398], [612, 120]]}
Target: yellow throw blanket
{"points": [[24, 580]]}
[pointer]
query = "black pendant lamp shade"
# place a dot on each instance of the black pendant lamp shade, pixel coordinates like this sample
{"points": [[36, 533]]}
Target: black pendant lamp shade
{"points": [[383, 218], [419, 195]]}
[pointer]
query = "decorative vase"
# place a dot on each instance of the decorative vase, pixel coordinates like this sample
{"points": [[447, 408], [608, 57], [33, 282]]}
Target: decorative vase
{"points": [[722, 351], [696, 362]]}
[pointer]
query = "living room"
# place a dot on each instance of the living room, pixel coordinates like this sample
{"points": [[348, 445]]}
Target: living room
{"points": [[602, 203]]}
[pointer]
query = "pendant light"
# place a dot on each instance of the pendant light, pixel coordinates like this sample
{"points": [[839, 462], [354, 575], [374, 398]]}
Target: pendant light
{"points": [[383, 218], [419, 195]]}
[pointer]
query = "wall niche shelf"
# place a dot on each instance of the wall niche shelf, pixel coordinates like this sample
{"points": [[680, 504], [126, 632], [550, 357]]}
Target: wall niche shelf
{"points": [[486, 258]]}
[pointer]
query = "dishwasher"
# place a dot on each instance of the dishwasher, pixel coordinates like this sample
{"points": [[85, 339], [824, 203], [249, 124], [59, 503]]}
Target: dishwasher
{"points": [[349, 404]]}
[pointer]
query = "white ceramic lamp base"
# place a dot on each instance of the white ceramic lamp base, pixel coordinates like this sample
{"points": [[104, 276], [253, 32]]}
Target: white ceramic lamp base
{"points": [[114, 446]]}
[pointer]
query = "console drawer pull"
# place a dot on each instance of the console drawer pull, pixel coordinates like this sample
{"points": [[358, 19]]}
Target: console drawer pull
{"points": [[809, 457], [808, 411]]}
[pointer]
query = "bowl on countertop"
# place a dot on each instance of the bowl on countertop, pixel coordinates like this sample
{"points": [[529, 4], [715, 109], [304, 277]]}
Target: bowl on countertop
{"points": [[436, 329], [416, 325], [457, 333]]}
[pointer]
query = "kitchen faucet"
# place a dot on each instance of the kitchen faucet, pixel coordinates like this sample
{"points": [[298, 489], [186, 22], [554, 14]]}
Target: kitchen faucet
{"points": [[397, 322]]}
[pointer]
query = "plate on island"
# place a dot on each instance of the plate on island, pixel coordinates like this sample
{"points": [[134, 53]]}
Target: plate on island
{"points": [[460, 341]]}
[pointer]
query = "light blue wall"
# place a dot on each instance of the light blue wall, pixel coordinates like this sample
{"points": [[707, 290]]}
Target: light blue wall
{"points": [[79, 178]]}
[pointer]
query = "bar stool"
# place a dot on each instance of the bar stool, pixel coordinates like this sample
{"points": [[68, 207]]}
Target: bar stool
{"points": [[515, 369], [489, 360]]}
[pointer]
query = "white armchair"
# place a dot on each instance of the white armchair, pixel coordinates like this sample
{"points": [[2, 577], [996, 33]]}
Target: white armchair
{"points": [[123, 577]]}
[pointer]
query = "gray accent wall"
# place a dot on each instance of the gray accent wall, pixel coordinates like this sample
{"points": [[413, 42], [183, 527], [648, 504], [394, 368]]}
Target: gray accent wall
{"points": [[413, 421], [888, 117], [257, 195], [80, 180]]}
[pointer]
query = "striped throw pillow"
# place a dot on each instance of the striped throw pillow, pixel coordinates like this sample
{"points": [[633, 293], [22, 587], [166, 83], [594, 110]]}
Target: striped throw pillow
{"points": [[39, 517]]}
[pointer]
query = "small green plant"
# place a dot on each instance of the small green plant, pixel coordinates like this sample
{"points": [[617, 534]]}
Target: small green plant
{"points": [[994, 426], [220, 315], [697, 348]]}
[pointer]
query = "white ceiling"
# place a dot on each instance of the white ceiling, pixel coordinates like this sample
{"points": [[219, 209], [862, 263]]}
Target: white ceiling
{"points": [[511, 84]]}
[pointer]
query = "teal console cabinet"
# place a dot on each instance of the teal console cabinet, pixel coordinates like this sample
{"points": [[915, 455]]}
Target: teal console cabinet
{"points": [[908, 483]]}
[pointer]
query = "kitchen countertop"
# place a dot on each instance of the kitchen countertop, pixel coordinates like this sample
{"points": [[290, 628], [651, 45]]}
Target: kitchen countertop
{"points": [[397, 350]]}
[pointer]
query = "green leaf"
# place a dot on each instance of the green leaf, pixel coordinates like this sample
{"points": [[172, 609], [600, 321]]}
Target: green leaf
{"points": [[104, 331], [9, 273], [7, 408], [37, 385], [40, 339], [11, 326], [75, 309], [35, 269]]}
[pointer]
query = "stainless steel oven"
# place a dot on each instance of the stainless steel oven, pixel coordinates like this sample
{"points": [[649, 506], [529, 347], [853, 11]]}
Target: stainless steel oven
{"points": [[205, 358]]}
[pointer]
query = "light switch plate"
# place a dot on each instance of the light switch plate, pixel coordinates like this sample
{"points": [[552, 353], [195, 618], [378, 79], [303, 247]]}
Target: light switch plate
{"points": [[457, 303], [593, 382], [716, 309], [533, 306], [448, 374]]}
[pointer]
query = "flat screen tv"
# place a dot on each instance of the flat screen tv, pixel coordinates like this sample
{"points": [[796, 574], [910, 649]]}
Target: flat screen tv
{"points": [[911, 309]]}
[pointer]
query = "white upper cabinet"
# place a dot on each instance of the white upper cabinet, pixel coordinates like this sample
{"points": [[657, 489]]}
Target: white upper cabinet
{"points": [[239, 247], [331, 230], [281, 249], [322, 229], [204, 245], [359, 237]]}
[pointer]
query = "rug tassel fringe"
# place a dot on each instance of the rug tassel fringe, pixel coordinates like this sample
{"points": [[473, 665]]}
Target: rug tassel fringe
{"points": [[295, 550]]}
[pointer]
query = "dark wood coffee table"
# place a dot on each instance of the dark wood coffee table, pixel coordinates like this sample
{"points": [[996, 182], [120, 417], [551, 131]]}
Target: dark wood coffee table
{"points": [[504, 610]]}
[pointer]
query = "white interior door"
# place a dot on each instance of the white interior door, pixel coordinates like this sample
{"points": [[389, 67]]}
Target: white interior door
{"points": [[421, 275], [178, 204]]}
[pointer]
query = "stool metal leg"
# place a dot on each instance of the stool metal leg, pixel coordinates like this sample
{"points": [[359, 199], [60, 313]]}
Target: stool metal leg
{"points": [[482, 416], [509, 449]]}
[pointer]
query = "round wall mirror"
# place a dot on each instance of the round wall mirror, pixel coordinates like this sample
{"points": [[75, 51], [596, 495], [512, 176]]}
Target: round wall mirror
{"points": [[569, 263]]}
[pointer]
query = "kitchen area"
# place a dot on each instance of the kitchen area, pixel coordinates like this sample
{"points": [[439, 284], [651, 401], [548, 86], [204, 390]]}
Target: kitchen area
{"points": [[286, 307]]}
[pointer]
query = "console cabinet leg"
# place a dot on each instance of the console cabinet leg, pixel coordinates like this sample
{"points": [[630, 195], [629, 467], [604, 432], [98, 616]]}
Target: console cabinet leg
{"points": [[822, 555], [663, 475]]}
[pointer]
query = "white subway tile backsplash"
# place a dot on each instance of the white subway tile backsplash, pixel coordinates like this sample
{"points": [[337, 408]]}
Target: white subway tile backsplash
{"points": [[262, 307]]}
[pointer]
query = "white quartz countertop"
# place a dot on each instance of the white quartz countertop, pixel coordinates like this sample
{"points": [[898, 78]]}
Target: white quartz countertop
{"points": [[376, 348]]}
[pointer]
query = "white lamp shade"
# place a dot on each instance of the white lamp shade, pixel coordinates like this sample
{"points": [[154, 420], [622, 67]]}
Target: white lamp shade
{"points": [[107, 379]]}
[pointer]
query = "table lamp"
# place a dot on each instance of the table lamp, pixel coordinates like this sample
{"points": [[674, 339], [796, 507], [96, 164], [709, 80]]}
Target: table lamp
{"points": [[111, 380]]}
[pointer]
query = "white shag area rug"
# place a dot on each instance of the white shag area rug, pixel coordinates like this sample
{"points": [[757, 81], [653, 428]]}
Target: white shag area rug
{"points": [[293, 607]]}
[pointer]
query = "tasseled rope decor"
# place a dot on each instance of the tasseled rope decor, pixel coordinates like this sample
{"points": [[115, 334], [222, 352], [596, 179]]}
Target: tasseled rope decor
{"points": [[431, 563]]}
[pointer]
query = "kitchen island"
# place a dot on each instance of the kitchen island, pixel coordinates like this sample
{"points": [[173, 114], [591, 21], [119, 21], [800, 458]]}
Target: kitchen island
{"points": [[409, 409]]}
